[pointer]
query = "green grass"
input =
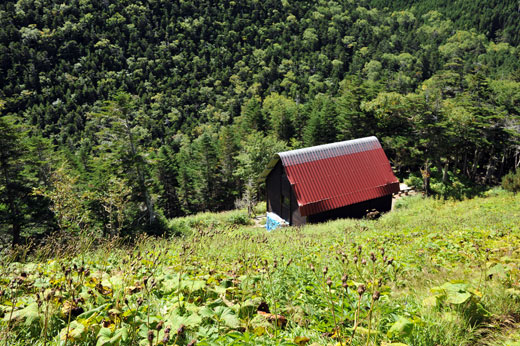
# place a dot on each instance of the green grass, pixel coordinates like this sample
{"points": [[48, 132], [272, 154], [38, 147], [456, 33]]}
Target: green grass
{"points": [[449, 275]]}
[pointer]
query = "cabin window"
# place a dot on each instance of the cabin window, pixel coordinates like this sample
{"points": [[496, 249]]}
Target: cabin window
{"points": [[285, 201]]}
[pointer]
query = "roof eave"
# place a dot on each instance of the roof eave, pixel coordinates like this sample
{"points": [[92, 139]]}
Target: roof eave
{"points": [[268, 168]]}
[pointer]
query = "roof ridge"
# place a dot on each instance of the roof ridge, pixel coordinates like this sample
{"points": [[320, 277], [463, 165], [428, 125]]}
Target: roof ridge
{"points": [[330, 150]]}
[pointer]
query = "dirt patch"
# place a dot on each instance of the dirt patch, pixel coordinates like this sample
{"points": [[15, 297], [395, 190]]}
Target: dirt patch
{"points": [[259, 221], [404, 190]]}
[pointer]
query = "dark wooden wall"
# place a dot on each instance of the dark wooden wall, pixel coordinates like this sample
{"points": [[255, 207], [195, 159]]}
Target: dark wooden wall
{"points": [[297, 218], [273, 188], [358, 210], [281, 199]]}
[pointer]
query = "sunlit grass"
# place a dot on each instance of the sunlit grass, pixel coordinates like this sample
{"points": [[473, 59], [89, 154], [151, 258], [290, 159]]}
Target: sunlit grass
{"points": [[218, 277]]}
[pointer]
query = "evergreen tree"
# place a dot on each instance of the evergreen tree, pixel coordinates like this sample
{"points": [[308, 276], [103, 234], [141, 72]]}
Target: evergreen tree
{"points": [[22, 213], [120, 135], [166, 172]]}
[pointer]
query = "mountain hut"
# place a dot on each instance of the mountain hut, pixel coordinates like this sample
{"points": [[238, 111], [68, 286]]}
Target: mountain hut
{"points": [[337, 180]]}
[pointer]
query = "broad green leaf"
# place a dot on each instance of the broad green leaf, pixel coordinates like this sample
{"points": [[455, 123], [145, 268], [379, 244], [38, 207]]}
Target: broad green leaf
{"points": [[401, 328], [498, 270], [104, 336], [455, 292], [90, 313], [219, 289], [458, 298], [171, 283], [76, 331], [107, 337], [28, 315], [206, 312], [121, 334], [248, 308], [176, 320], [227, 315], [193, 285]]}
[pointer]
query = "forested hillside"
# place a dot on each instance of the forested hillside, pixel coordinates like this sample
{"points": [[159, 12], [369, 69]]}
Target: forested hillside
{"points": [[116, 115], [498, 20]]}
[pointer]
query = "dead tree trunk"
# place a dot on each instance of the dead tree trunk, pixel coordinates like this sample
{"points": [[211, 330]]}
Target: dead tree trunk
{"points": [[426, 173], [475, 164], [490, 168]]}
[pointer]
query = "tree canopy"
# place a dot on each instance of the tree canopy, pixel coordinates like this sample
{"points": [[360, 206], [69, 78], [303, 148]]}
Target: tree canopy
{"points": [[157, 109]]}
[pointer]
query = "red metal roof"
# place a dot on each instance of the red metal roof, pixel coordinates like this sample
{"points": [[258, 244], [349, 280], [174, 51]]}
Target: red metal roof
{"points": [[330, 176]]}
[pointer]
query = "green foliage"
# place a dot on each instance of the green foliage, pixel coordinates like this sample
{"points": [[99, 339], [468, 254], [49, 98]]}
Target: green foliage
{"points": [[24, 166], [447, 185], [465, 299], [381, 282], [511, 181], [207, 221]]}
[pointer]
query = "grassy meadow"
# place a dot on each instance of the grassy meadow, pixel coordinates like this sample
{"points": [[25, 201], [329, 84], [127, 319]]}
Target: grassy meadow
{"points": [[431, 272]]}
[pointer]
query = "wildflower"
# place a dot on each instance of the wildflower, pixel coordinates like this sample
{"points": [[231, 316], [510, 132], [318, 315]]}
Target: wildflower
{"points": [[344, 279], [329, 281], [166, 337], [361, 289], [181, 329], [150, 336], [376, 295], [159, 325], [48, 295]]}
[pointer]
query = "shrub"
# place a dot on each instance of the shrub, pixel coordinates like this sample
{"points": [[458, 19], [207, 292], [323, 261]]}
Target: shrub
{"points": [[456, 186], [511, 181], [179, 226], [238, 218]]}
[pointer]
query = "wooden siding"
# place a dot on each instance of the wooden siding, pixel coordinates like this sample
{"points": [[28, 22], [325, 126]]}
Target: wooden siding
{"points": [[358, 210], [273, 187]]}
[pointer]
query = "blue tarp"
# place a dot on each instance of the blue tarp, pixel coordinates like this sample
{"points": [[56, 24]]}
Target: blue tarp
{"points": [[273, 221]]}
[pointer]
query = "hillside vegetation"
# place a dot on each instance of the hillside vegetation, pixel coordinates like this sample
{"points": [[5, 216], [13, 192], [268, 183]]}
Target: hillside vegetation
{"points": [[431, 272], [117, 116]]}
